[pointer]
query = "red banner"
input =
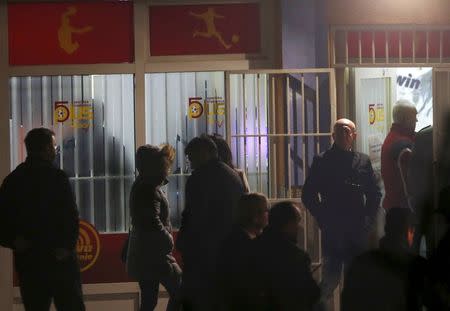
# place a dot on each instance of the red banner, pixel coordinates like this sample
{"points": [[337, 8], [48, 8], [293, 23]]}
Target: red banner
{"points": [[102, 264], [396, 41], [204, 29], [70, 32]]}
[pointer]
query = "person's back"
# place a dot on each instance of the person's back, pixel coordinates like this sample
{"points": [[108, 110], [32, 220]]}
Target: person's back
{"points": [[401, 136], [235, 262], [389, 278], [212, 194], [284, 279], [439, 268]]}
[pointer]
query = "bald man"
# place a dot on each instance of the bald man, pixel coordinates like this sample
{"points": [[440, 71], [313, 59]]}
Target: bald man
{"points": [[342, 194]]}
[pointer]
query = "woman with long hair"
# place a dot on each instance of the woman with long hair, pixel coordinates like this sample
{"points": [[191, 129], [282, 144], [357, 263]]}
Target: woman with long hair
{"points": [[150, 259]]}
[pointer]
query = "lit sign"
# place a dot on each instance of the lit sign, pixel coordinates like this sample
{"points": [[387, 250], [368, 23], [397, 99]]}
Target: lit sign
{"points": [[88, 245], [80, 113], [213, 107]]}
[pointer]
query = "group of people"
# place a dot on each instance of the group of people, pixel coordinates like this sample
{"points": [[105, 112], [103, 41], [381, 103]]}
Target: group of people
{"points": [[238, 252], [343, 195], [237, 255]]}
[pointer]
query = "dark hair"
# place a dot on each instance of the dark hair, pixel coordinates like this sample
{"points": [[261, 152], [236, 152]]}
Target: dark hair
{"points": [[154, 161], [398, 220], [38, 140], [223, 149], [283, 213], [202, 143], [251, 205]]}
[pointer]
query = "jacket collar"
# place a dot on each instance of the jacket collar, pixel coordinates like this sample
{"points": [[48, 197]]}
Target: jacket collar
{"points": [[397, 128]]}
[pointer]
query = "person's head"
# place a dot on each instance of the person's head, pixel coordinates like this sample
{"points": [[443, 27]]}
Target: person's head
{"points": [[40, 143], [285, 217], [344, 133], [200, 150], [398, 223], [252, 211], [223, 149], [154, 162], [405, 114]]}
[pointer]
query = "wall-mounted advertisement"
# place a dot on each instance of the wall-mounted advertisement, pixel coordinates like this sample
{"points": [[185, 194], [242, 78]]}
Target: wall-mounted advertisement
{"points": [[415, 85]]}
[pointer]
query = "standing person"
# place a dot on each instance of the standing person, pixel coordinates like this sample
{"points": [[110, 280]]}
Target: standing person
{"points": [[226, 157], [283, 271], [420, 186], [150, 259], [388, 278], [400, 137], [342, 194], [212, 195], [234, 260], [39, 210]]}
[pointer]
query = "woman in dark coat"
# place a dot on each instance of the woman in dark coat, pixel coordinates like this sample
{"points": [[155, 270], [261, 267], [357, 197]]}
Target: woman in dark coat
{"points": [[150, 259]]}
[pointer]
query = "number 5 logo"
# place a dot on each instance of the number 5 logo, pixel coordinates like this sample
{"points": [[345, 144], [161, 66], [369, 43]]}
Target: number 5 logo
{"points": [[62, 113], [195, 108]]}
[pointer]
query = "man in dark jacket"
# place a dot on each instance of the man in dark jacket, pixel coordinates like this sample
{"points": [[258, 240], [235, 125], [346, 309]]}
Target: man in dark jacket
{"points": [[342, 194], [234, 278], [283, 276], [42, 227], [212, 195]]}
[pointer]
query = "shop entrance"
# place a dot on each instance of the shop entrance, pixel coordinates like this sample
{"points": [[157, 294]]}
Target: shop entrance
{"points": [[376, 90]]}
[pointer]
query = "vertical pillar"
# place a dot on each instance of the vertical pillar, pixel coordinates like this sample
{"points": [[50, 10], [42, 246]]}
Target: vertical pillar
{"points": [[141, 48], [6, 282], [278, 144]]}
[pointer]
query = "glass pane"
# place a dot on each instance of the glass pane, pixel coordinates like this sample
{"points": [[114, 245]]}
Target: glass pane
{"points": [[93, 119], [278, 123], [179, 107]]}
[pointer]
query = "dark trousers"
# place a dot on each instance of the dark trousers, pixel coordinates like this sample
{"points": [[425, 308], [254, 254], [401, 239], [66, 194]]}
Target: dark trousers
{"points": [[43, 279], [335, 262], [198, 290], [150, 290]]}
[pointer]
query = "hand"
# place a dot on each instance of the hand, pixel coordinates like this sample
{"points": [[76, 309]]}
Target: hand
{"points": [[20, 244], [62, 253]]}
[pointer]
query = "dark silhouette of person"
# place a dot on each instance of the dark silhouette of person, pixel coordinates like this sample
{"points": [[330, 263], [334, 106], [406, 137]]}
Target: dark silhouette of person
{"points": [[41, 218], [420, 187], [212, 194], [283, 275], [149, 258], [342, 194], [439, 262], [400, 137], [225, 155], [391, 277], [234, 260]]}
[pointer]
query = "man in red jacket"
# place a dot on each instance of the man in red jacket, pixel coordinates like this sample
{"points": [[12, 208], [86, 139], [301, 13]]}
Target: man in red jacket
{"points": [[400, 137]]}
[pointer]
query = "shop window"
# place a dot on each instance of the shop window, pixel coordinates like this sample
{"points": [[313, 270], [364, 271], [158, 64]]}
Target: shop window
{"points": [[179, 107], [279, 122], [93, 119]]}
